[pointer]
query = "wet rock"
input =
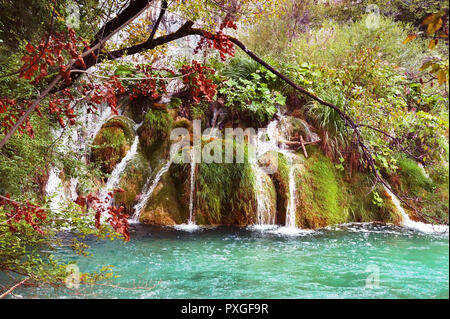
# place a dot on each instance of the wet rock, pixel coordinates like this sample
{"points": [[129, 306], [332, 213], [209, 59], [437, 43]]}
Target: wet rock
{"points": [[293, 128]]}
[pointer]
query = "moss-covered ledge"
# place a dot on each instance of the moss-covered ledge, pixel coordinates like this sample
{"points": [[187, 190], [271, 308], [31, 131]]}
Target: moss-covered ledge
{"points": [[112, 142]]}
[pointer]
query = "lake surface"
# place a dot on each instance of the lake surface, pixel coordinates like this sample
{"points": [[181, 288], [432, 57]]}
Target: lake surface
{"points": [[347, 261]]}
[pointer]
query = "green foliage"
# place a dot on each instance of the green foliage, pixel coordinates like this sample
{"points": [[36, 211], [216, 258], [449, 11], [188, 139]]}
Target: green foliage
{"points": [[411, 11], [419, 131], [251, 97], [26, 253], [414, 176], [432, 193], [377, 200], [23, 162]]}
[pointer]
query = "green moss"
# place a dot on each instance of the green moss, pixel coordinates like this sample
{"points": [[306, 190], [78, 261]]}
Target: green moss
{"points": [[359, 193], [413, 176], [327, 196], [224, 191], [429, 194], [155, 130], [183, 122], [112, 143], [319, 197]]}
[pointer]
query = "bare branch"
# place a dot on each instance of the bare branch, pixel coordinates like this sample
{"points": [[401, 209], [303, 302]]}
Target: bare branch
{"points": [[10, 290]]}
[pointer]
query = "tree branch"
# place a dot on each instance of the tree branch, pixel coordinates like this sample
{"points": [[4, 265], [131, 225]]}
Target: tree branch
{"points": [[10, 290], [161, 14]]}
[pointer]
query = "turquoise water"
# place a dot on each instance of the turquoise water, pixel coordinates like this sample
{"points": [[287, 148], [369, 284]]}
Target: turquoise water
{"points": [[243, 263]]}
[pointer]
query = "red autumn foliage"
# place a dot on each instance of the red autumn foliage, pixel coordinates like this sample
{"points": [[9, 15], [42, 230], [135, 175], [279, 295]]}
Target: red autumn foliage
{"points": [[117, 219], [105, 92], [196, 76], [218, 41], [16, 212], [53, 54], [151, 84], [49, 53], [15, 111]]}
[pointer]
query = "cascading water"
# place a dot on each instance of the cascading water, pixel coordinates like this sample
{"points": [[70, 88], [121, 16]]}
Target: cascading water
{"points": [[192, 188], [114, 179], [190, 226], [74, 141], [267, 140], [419, 226], [53, 190], [149, 188], [291, 208], [265, 207]]}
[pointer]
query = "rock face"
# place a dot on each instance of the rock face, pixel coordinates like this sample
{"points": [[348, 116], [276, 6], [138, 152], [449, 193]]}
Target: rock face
{"points": [[163, 207], [112, 143], [230, 194], [224, 193], [132, 182]]}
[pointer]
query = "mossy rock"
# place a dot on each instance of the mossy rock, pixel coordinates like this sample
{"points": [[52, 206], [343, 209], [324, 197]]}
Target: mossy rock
{"points": [[293, 128], [132, 181], [319, 199], [224, 192], [182, 122], [163, 207], [429, 194], [280, 179], [413, 178], [327, 196], [154, 132], [180, 174], [112, 143], [359, 197], [138, 107]]}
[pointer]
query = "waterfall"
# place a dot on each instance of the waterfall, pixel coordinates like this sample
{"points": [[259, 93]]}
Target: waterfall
{"points": [[75, 143], [114, 179], [192, 187], [266, 211], [149, 188], [419, 226], [266, 141], [264, 145], [291, 208]]}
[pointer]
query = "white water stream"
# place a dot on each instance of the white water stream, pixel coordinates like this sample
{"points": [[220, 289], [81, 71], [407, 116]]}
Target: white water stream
{"points": [[192, 188], [419, 226], [74, 141], [116, 174], [267, 140], [148, 190]]}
